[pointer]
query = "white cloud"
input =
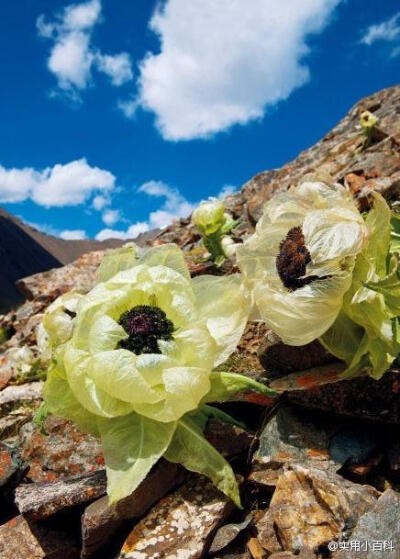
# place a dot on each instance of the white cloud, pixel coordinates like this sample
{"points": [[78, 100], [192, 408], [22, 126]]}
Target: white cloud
{"points": [[129, 107], [72, 57], [117, 67], [173, 207], [223, 63], [131, 233], [61, 185], [99, 202], [226, 190], [73, 234], [110, 217], [388, 30]]}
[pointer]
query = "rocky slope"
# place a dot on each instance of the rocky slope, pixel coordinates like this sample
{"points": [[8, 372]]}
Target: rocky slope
{"points": [[319, 466]]}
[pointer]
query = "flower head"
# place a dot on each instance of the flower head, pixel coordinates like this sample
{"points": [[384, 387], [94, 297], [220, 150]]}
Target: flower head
{"points": [[209, 216], [298, 264], [368, 121], [133, 362]]}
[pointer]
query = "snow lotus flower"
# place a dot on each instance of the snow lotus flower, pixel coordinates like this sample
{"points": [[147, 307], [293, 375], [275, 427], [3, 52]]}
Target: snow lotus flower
{"points": [[137, 367], [299, 263]]}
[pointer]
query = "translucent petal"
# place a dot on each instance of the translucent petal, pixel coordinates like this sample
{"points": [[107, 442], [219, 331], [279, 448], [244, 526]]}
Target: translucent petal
{"points": [[115, 372], [334, 233], [117, 260], [105, 334], [223, 304], [92, 397], [303, 315], [168, 255], [183, 389]]}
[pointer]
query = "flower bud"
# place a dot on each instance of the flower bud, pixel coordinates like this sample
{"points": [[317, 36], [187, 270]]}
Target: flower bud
{"points": [[229, 246], [209, 216]]}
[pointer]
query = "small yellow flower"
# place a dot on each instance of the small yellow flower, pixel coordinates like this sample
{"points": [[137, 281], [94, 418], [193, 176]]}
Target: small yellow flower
{"points": [[368, 121]]}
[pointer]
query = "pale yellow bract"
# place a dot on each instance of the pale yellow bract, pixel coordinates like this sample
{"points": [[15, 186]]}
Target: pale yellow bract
{"points": [[334, 233]]}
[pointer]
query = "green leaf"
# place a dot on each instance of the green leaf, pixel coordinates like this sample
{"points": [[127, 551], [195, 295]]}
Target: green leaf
{"points": [[216, 413], [343, 338], [116, 261], [132, 444], [389, 286], [378, 223], [189, 448], [40, 417], [225, 384], [395, 233]]}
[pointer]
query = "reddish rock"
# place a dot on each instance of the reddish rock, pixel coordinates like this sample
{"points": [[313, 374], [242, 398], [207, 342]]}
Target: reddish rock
{"points": [[228, 439], [40, 500], [11, 466], [64, 452], [360, 397], [22, 540]]}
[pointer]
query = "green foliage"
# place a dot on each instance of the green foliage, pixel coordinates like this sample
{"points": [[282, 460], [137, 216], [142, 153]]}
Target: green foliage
{"points": [[366, 332]]}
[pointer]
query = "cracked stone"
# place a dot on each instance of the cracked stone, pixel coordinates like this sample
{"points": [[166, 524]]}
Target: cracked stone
{"points": [[294, 435], [181, 525], [100, 521], [379, 524], [311, 507], [20, 539], [40, 500]]}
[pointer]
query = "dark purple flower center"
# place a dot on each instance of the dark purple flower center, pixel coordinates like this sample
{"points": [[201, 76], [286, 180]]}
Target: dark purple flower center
{"points": [[145, 326], [292, 260]]}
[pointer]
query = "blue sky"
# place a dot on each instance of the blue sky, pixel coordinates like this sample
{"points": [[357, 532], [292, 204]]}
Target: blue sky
{"points": [[116, 116]]}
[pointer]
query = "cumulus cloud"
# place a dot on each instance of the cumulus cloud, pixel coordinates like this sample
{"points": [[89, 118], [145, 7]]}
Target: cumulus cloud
{"points": [[388, 30], [72, 56], [110, 217], [73, 234], [62, 185], [131, 233], [223, 63], [173, 207]]}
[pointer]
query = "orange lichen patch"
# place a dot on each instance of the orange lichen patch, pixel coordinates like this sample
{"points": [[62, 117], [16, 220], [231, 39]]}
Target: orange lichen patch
{"points": [[283, 456], [315, 379], [5, 463], [259, 399], [64, 452], [318, 453]]}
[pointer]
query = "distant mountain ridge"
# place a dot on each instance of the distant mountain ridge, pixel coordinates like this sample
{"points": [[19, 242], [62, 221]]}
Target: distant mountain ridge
{"points": [[25, 251]]}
